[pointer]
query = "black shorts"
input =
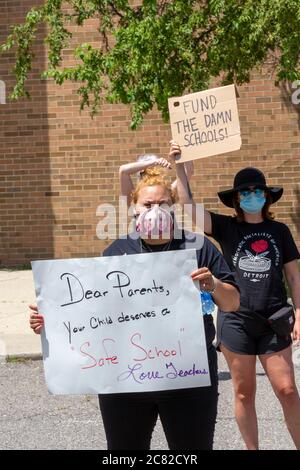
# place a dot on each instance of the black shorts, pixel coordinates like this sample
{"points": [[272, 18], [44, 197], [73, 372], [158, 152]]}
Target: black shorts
{"points": [[244, 334]]}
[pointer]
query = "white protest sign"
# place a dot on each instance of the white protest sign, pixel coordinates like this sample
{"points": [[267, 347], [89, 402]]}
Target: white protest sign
{"points": [[122, 323], [205, 123]]}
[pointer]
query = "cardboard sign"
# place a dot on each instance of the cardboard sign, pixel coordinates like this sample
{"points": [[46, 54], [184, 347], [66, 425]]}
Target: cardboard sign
{"points": [[122, 323], [205, 123]]}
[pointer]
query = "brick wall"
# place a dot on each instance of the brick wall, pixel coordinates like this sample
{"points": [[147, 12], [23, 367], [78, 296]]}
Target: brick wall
{"points": [[25, 209], [58, 165]]}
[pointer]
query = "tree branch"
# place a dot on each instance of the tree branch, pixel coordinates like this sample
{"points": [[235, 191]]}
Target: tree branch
{"points": [[115, 11]]}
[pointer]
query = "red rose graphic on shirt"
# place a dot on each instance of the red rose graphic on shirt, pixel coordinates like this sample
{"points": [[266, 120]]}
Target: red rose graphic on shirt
{"points": [[259, 246]]}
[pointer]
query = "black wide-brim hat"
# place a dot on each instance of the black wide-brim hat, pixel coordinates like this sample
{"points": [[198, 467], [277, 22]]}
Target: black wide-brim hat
{"points": [[249, 177]]}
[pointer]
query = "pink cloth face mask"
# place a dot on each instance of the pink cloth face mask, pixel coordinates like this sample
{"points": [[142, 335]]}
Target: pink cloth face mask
{"points": [[155, 222]]}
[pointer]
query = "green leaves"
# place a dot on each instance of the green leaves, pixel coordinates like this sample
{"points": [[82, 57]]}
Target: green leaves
{"points": [[161, 48], [23, 36]]}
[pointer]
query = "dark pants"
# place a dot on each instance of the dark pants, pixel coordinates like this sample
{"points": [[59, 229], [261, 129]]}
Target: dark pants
{"points": [[188, 416]]}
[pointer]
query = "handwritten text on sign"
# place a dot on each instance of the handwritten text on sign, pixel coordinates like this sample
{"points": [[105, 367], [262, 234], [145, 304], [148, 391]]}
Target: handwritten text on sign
{"points": [[206, 123], [121, 323]]}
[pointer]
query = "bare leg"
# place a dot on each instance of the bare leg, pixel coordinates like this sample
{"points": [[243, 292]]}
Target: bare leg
{"points": [[243, 373], [280, 371]]}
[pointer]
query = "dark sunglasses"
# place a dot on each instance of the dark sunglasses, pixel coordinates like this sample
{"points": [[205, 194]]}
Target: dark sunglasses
{"points": [[257, 191]]}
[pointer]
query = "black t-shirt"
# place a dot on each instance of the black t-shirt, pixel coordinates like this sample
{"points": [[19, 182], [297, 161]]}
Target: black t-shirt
{"points": [[257, 254], [207, 256]]}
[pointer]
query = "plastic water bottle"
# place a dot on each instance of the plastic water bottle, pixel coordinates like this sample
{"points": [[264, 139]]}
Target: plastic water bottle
{"points": [[207, 302]]}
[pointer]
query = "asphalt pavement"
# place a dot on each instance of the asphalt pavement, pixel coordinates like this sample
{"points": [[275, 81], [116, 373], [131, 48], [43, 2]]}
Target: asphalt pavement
{"points": [[31, 418]]}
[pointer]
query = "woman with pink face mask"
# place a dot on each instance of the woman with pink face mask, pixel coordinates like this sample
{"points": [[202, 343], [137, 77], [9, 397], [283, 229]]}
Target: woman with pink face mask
{"points": [[188, 415], [259, 250]]}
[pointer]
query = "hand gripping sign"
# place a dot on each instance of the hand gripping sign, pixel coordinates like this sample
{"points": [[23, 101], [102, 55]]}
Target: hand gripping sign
{"points": [[121, 323], [205, 123]]}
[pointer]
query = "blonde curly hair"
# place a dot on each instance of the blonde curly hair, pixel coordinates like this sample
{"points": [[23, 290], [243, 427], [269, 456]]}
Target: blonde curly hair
{"points": [[154, 177]]}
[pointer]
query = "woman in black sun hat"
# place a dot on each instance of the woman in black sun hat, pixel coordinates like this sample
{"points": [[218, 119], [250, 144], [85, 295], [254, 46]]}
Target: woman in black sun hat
{"points": [[259, 250]]}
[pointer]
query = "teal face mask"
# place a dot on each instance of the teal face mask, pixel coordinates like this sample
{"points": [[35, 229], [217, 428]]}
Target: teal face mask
{"points": [[252, 204]]}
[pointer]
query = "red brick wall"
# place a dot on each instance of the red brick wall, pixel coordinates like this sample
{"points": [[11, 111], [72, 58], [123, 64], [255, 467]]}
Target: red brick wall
{"points": [[25, 209], [58, 165]]}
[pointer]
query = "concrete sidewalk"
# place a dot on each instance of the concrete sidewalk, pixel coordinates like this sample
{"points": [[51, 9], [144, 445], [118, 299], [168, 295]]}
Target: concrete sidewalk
{"points": [[16, 293]]}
